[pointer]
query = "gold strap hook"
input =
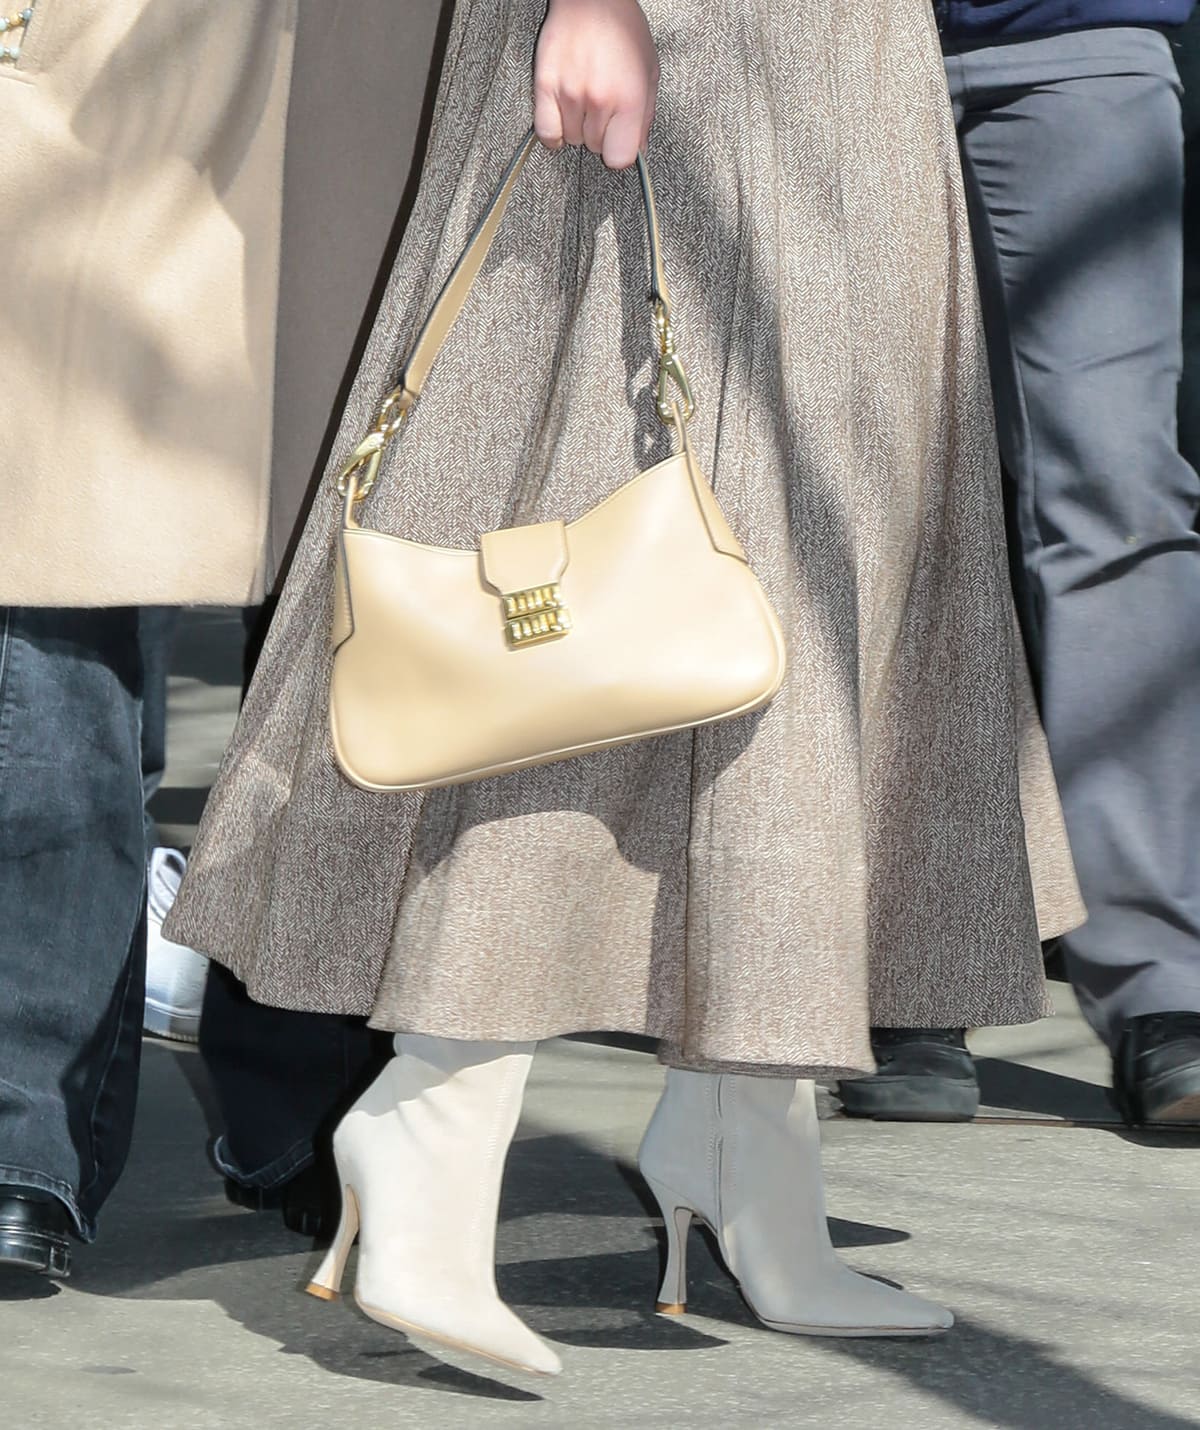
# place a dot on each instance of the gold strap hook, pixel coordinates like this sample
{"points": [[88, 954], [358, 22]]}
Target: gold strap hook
{"points": [[362, 466], [670, 371]]}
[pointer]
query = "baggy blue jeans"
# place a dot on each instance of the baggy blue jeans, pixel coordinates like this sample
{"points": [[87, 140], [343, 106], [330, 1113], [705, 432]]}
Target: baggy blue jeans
{"points": [[72, 877]]}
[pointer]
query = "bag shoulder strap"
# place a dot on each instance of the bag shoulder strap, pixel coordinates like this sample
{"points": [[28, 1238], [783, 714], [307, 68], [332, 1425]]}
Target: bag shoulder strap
{"points": [[363, 464], [455, 291]]}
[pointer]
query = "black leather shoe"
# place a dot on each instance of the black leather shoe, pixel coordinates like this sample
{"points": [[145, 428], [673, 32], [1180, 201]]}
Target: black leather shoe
{"points": [[309, 1202], [925, 1075], [34, 1231], [1156, 1071]]}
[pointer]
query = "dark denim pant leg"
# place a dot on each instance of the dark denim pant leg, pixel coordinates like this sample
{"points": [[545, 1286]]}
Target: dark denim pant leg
{"points": [[72, 877], [281, 1078], [1072, 152]]}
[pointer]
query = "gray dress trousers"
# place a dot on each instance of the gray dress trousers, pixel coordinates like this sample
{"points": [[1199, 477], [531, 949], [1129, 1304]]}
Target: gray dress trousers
{"points": [[1072, 148]]}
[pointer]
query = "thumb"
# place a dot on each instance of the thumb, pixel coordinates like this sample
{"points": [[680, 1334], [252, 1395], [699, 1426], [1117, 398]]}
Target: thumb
{"points": [[547, 117]]}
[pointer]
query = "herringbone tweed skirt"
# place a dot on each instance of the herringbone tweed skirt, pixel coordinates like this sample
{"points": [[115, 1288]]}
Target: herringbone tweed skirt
{"points": [[758, 893]]}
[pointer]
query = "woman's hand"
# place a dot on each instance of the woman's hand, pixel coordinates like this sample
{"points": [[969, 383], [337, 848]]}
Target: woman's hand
{"points": [[595, 78]]}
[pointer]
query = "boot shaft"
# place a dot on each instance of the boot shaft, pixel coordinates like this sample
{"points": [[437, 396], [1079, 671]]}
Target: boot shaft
{"points": [[431, 1135], [743, 1151]]}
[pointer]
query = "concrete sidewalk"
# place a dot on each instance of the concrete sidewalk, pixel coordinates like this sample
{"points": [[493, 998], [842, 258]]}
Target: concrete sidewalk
{"points": [[1067, 1248]]}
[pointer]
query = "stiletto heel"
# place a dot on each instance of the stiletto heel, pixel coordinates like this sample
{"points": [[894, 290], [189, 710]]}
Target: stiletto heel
{"points": [[677, 1218], [326, 1284]]}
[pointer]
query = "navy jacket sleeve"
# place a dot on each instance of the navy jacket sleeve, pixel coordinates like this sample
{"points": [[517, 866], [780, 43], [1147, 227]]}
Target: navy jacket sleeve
{"points": [[982, 19]]}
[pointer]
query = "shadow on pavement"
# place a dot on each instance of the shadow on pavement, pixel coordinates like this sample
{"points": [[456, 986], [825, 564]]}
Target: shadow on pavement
{"points": [[1185, 1137], [20, 1286], [1018, 1088], [1054, 1096], [1006, 1381]]}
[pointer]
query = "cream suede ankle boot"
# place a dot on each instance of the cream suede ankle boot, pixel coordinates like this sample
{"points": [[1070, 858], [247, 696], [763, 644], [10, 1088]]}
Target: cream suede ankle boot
{"points": [[420, 1157], [744, 1155]]}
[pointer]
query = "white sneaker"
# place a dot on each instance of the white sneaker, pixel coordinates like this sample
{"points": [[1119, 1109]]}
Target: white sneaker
{"points": [[175, 974]]}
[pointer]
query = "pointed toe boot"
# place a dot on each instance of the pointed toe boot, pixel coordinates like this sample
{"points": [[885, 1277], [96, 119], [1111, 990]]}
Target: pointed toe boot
{"points": [[743, 1155], [420, 1158]]}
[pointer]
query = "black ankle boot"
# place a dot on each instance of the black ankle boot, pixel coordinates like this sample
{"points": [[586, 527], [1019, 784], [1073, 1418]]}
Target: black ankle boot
{"points": [[925, 1075]]}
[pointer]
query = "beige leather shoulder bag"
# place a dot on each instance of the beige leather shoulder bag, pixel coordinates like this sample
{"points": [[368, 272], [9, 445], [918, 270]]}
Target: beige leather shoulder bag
{"points": [[640, 618]]}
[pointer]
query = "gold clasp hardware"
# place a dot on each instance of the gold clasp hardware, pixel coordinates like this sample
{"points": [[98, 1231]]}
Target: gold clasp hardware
{"points": [[368, 455], [385, 422], [365, 459], [670, 370], [534, 616]]}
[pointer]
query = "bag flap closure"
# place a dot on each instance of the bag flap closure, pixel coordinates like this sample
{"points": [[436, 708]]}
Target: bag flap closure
{"points": [[522, 557]]}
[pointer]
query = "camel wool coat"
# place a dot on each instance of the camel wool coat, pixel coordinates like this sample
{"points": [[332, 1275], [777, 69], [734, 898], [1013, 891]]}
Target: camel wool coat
{"points": [[884, 843], [197, 198], [140, 200]]}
